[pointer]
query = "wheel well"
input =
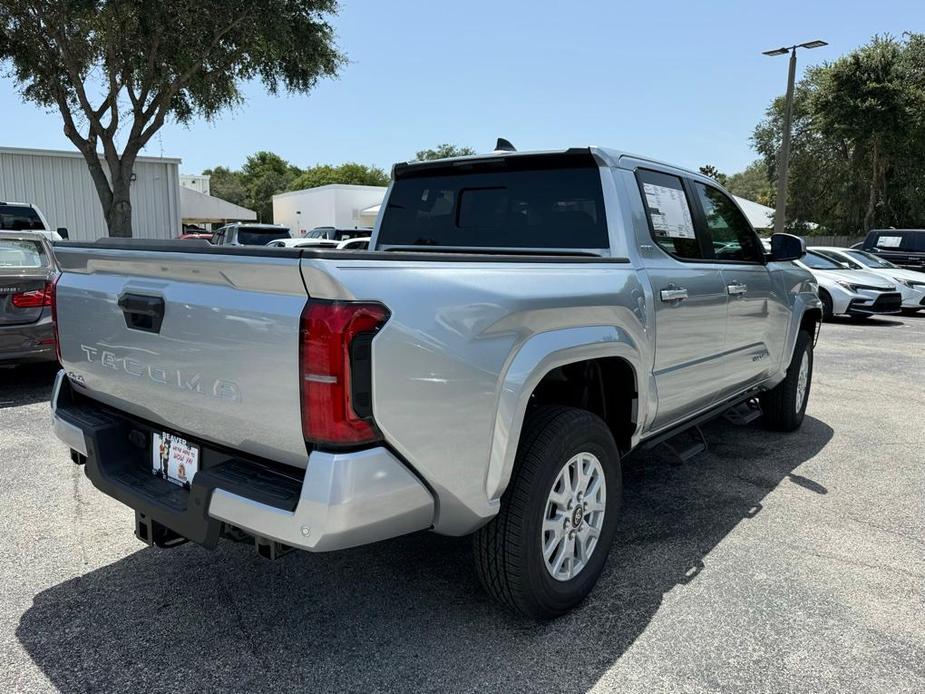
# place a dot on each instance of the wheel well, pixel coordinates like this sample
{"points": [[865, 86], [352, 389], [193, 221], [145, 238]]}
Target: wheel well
{"points": [[605, 386], [811, 318]]}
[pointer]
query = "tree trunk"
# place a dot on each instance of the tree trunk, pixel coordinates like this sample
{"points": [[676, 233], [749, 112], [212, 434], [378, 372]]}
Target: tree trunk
{"points": [[119, 214], [874, 187]]}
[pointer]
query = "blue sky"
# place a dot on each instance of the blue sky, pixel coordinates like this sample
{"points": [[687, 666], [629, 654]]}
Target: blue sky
{"points": [[679, 81]]}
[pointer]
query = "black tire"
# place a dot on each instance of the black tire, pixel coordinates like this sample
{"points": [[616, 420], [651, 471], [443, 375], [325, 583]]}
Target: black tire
{"points": [[910, 311], [508, 554], [827, 310], [780, 403]]}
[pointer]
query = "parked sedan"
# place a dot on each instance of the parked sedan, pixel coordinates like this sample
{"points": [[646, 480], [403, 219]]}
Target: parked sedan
{"points": [[27, 273], [855, 293], [910, 283]]}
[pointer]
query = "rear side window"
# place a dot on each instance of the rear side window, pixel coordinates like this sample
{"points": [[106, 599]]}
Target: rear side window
{"points": [[669, 214], [20, 218], [732, 236], [498, 206]]}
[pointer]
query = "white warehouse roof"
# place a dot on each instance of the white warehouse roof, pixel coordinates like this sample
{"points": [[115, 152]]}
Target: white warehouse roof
{"points": [[199, 207]]}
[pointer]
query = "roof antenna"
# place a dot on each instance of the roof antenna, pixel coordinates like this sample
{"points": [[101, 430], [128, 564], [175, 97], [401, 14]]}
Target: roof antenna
{"points": [[504, 146]]}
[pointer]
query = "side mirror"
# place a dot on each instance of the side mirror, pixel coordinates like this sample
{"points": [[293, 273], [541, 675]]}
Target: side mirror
{"points": [[62, 232], [787, 247]]}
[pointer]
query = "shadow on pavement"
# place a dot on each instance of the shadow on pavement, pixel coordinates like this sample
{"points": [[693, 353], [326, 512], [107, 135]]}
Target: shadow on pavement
{"points": [[404, 615], [892, 321], [26, 384]]}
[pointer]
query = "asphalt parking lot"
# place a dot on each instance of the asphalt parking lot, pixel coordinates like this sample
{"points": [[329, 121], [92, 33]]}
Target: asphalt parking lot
{"points": [[771, 563]]}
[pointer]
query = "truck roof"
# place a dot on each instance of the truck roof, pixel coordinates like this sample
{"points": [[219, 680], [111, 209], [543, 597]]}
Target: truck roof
{"points": [[605, 155]]}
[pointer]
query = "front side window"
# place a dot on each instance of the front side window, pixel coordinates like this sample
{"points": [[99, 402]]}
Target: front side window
{"points": [[669, 215], [839, 258], [869, 259], [731, 235]]}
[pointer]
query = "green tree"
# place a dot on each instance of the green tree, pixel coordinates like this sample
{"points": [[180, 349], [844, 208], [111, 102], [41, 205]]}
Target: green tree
{"points": [[752, 183], [443, 151], [263, 175], [714, 173], [858, 147], [227, 185], [151, 61], [350, 173]]}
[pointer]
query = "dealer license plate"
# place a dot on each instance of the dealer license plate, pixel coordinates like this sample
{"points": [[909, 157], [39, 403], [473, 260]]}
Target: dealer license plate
{"points": [[174, 459]]}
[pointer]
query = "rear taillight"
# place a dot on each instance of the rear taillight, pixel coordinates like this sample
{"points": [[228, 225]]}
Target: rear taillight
{"points": [[335, 370], [53, 302], [37, 298]]}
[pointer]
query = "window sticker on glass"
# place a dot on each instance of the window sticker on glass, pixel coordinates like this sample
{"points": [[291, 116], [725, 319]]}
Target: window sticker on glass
{"points": [[889, 241], [669, 212]]}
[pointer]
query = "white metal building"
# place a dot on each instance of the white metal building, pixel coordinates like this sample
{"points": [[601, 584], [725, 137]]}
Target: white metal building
{"points": [[335, 205], [59, 183], [198, 182]]}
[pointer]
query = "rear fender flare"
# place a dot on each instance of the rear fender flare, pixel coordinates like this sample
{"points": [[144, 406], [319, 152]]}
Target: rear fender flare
{"points": [[537, 357]]}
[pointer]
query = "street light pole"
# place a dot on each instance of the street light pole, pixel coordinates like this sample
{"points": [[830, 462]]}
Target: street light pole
{"points": [[783, 158]]}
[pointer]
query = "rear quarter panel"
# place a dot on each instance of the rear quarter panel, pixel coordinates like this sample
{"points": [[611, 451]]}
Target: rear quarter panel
{"points": [[442, 363]]}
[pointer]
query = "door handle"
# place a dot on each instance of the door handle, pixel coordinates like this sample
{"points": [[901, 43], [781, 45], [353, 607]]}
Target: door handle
{"points": [[670, 294], [736, 289]]}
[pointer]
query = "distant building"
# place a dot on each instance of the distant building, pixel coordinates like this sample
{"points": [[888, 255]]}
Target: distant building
{"points": [[336, 205], [197, 182], [59, 183], [200, 209]]}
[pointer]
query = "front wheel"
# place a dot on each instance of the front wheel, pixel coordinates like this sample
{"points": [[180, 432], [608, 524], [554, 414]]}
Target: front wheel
{"points": [[544, 551], [784, 405]]}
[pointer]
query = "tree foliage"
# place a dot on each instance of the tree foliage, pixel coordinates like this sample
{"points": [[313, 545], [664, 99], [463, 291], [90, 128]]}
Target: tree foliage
{"points": [[752, 183], [443, 151], [350, 173], [714, 173], [858, 143], [116, 70], [264, 174]]}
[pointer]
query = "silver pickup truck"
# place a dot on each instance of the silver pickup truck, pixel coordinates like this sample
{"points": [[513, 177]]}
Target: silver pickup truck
{"points": [[521, 322]]}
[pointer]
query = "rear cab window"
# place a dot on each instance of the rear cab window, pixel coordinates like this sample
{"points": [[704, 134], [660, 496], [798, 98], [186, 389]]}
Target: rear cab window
{"points": [[519, 202], [20, 218]]}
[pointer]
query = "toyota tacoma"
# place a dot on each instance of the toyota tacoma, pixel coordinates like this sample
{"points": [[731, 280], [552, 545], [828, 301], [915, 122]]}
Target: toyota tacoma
{"points": [[520, 323]]}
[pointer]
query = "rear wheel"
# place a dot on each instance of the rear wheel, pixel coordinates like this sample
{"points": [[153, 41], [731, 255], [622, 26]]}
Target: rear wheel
{"points": [[784, 406], [544, 551]]}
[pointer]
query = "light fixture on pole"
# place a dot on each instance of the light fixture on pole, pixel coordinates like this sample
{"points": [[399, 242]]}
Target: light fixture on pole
{"points": [[783, 158]]}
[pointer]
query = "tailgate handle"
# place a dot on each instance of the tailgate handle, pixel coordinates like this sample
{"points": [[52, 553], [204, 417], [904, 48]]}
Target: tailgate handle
{"points": [[142, 312]]}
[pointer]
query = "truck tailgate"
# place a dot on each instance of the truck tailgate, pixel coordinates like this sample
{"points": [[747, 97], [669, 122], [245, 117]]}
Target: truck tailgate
{"points": [[202, 343]]}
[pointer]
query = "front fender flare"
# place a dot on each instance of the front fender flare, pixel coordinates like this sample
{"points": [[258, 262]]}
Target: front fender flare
{"points": [[537, 357]]}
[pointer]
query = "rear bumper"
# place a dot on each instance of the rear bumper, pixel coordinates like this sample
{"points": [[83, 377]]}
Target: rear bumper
{"points": [[27, 343], [342, 499]]}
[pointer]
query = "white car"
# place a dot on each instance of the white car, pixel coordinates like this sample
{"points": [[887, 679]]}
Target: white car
{"points": [[855, 293], [910, 283], [358, 243], [295, 243]]}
